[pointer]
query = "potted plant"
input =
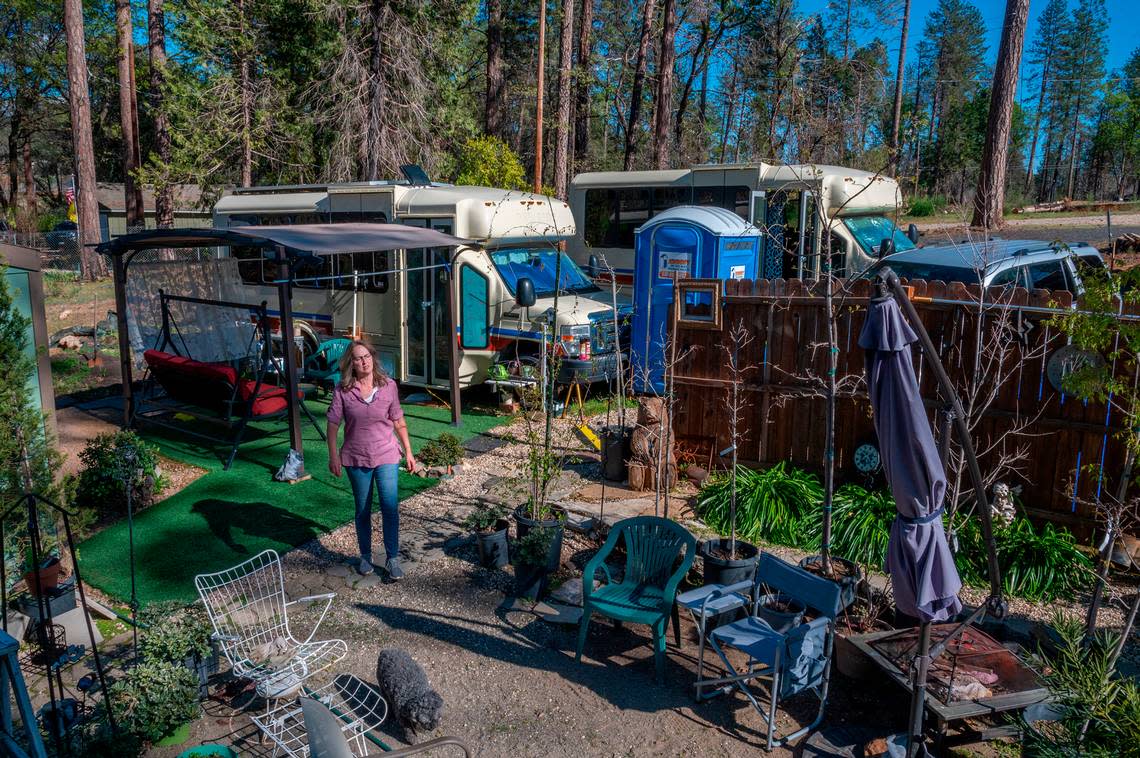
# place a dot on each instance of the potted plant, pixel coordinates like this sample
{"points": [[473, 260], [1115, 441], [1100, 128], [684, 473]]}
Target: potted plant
{"points": [[490, 525], [156, 700], [781, 612], [180, 634], [537, 554], [444, 453]]}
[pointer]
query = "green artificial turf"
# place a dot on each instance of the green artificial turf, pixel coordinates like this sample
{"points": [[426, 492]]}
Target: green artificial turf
{"points": [[226, 517]]}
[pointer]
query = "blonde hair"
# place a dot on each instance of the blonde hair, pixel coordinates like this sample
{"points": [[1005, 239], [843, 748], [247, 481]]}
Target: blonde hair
{"points": [[348, 377]]}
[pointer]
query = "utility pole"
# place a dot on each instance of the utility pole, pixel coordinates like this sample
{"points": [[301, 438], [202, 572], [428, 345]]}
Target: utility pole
{"points": [[538, 109]]}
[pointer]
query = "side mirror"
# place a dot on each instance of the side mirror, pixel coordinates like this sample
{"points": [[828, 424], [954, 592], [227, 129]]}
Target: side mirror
{"points": [[912, 233], [592, 266], [524, 292], [886, 247]]}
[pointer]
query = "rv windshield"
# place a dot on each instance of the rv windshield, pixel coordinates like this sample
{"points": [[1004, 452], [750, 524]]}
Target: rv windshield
{"points": [[538, 265], [870, 231]]}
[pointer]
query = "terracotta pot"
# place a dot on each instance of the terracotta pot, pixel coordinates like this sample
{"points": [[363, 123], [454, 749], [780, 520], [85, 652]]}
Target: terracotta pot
{"points": [[48, 578]]}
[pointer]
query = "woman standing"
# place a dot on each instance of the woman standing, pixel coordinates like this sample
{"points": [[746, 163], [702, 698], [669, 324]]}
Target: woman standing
{"points": [[368, 403]]}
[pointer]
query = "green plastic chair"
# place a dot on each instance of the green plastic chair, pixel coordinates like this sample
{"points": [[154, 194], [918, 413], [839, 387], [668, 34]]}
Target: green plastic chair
{"points": [[646, 592], [323, 366]]}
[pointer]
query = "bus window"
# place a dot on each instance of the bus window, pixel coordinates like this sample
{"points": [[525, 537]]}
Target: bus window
{"points": [[474, 311], [345, 217], [306, 270], [249, 263], [371, 268], [708, 196], [633, 211], [669, 197], [737, 199], [838, 255], [601, 217]]}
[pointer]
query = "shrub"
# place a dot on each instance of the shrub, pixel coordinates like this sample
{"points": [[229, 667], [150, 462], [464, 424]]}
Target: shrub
{"points": [[1036, 564], [444, 450], [485, 516], [771, 505], [489, 162], [861, 525], [174, 632], [154, 698], [102, 480], [534, 548], [921, 207]]}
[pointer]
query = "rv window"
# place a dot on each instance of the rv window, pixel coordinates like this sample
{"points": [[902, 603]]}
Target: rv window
{"points": [[669, 197], [249, 262], [367, 265], [633, 211], [601, 218], [308, 269], [737, 200], [473, 309], [708, 196]]}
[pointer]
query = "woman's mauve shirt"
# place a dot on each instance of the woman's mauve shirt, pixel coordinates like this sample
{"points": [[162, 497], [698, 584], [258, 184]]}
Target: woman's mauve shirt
{"points": [[369, 433]]}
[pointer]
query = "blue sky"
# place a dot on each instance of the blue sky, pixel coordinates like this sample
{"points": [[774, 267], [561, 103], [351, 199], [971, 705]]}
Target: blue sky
{"points": [[1122, 37]]}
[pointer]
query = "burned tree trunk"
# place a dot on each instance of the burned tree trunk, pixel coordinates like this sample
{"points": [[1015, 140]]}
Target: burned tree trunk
{"points": [[79, 99], [128, 116], [663, 107]]}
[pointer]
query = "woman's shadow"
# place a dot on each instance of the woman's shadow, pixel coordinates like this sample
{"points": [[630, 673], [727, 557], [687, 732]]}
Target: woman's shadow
{"points": [[227, 518]]}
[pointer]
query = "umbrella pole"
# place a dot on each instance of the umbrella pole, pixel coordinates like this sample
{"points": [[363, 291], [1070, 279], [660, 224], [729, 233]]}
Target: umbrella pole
{"points": [[918, 672]]}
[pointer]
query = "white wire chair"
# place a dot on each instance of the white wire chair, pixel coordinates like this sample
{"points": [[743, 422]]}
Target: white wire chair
{"points": [[250, 614], [350, 708]]}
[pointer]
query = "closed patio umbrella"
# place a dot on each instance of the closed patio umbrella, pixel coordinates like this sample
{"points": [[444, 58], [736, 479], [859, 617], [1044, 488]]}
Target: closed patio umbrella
{"points": [[919, 560]]}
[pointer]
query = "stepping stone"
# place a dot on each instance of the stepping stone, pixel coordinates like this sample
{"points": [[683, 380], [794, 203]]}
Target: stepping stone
{"points": [[570, 593], [556, 613], [367, 582], [339, 569], [519, 604]]}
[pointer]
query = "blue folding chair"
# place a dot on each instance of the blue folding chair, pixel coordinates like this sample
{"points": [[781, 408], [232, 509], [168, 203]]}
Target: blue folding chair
{"points": [[794, 662], [710, 602]]}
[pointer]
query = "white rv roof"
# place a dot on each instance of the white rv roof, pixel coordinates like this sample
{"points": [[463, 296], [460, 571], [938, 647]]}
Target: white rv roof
{"points": [[278, 202], [715, 220], [490, 215], [629, 178]]}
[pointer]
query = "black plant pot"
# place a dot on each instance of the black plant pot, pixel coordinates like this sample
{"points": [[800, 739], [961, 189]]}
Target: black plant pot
{"points": [[615, 452], [848, 584], [531, 581], [523, 526], [719, 570], [493, 550], [204, 668], [781, 619]]}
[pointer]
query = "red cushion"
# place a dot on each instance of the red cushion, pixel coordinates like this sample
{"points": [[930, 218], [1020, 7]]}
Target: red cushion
{"points": [[269, 399], [158, 359]]}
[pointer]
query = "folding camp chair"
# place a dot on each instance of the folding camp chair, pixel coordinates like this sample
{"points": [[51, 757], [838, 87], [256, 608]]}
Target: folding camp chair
{"points": [[796, 661], [710, 602], [250, 614]]}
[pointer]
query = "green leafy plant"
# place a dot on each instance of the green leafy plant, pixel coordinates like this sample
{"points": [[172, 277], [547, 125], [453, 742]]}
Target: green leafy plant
{"points": [[174, 632], [771, 505], [444, 450], [1038, 564], [103, 480], [861, 525], [1099, 711], [488, 161], [485, 516], [533, 549], [155, 698]]}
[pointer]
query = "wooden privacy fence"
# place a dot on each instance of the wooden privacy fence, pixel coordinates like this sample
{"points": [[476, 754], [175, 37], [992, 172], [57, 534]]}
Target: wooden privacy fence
{"points": [[1071, 450]]}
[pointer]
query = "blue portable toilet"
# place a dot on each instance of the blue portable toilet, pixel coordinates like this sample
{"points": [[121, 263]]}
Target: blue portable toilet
{"points": [[684, 242]]}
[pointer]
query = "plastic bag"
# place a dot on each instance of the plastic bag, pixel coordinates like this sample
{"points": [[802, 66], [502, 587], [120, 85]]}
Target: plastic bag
{"points": [[293, 467]]}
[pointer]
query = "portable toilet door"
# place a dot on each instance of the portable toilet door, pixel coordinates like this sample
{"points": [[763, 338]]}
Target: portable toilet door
{"points": [[684, 242]]}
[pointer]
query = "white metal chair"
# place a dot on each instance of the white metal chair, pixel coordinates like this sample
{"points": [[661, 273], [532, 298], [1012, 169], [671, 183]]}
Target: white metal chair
{"points": [[330, 722], [250, 614], [328, 737], [795, 661]]}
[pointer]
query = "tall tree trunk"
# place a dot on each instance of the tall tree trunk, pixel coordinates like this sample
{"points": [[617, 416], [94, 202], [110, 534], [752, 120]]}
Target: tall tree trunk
{"points": [[663, 105], [582, 81], [1073, 148], [163, 191], [1048, 63], [695, 68], [897, 114], [642, 62], [245, 87], [731, 101], [989, 200], [128, 119], [540, 90], [15, 129], [565, 64], [79, 99], [494, 110], [29, 178]]}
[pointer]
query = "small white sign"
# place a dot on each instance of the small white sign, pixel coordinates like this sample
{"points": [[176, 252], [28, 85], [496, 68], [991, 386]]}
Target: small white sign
{"points": [[736, 272], [674, 265]]}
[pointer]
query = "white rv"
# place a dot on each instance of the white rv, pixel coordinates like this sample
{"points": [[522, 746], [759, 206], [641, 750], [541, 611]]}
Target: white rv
{"points": [[796, 205], [503, 281]]}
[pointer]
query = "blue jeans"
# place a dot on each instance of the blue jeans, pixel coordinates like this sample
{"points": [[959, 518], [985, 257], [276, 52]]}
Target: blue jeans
{"points": [[385, 477]]}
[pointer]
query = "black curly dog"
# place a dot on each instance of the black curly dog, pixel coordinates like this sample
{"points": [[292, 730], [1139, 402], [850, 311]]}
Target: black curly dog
{"points": [[405, 686]]}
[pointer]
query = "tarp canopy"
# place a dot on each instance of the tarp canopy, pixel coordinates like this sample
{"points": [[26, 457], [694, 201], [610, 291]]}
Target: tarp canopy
{"points": [[920, 563], [318, 239]]}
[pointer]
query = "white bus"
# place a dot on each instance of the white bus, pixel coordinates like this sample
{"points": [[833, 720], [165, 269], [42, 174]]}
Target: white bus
{"points": [[787, 201], [503, 283]]}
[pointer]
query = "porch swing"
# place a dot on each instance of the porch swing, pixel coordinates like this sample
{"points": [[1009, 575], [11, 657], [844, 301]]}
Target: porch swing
{"points": [[175, 382]]}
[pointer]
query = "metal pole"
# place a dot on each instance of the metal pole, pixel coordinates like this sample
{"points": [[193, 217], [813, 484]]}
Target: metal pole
{"points": [[918, 673], [119, 276], [453, 344], [285, 301]]}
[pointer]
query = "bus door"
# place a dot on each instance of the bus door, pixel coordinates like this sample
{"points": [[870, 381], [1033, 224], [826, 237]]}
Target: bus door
{"points": [[426, 331], [789, 220]]}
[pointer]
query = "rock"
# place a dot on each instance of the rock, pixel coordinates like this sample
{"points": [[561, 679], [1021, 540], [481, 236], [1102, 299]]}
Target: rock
{"points": [[338, 569], [570, 592], [557, 613], [70, 342], [696, 474], [64, 314]]}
